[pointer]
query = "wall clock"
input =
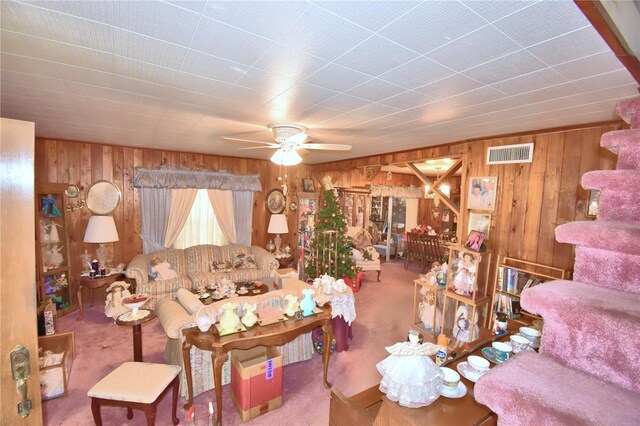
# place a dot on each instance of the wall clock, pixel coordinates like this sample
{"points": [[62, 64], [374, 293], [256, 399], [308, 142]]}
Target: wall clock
{"points": [[276, 201]]}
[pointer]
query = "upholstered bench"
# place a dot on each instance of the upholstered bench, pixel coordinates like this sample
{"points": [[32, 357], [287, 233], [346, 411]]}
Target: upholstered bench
{"points": [[136, 385]]}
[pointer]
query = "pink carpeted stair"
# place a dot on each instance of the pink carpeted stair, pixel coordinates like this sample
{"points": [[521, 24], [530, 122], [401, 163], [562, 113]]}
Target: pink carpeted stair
{"points": [[588, 368]]}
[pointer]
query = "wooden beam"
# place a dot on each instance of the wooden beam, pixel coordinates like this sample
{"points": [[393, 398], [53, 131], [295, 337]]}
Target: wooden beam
{"points": [[446, 200]]}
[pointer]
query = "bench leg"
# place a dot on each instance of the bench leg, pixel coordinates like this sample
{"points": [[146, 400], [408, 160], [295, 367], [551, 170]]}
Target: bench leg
{"points": [[379, 275], [174, 404], [129, 413], [95, 410], [150, 411]]}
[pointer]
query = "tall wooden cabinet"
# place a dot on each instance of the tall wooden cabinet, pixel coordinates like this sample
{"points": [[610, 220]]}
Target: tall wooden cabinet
{"points": [[54, 276], [354, 203]]}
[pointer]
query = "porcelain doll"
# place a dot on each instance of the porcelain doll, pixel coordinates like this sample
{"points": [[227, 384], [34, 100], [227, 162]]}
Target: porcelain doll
{"points": [[162, 269], [463, 282], [462, 325], [428, 308]]}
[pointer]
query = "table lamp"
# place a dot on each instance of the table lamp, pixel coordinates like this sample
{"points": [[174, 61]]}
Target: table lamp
{"points": [[278, 225], [101, 230]]}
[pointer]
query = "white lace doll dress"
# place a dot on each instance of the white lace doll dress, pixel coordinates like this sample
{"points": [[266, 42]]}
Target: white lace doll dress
{"points": [[409, 376]]}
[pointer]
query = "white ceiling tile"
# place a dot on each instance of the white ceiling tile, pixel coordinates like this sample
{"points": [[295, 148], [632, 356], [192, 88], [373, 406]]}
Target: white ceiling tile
{"points": [[375, 56], [449, 86], [406, 100], [416, 73], [289, 63], [39, 22], [316, 114], [531, 81], [478, 96], [510, 66], [481, 46], [492, 10], [344, 102], [542, 21], [569, 47], [147, 49], [144, 71], [326, 77], [212, 67], [266, 18], [615, 93], [229, 43], [322, 34], [193, 5], [551, 92], [270, 83], [374, 90], [32, 81], [604, 81], [371, 15], [249, 96], [439, 22], [195, 83], [22, 64], [596, 64], [302, 93]]}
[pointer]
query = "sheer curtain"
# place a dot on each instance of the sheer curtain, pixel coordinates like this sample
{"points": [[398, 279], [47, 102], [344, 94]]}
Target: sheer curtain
{"points": [[243, 215], [201, 227], [155, 205], [222, 202], [181, 204]]}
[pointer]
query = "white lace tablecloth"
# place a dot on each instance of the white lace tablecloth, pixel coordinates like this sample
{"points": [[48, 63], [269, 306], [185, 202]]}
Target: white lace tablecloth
{"points": [[342, 304]]}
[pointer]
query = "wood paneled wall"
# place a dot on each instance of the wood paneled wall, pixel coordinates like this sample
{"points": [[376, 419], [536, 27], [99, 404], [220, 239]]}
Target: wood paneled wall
{"points": [[532, 199], [82, 163]]}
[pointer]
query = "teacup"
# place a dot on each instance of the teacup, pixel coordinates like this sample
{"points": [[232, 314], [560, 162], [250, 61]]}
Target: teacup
{"points": [[477, 365], [501, 351], [532, 335], [450, 382], [519, 343]]}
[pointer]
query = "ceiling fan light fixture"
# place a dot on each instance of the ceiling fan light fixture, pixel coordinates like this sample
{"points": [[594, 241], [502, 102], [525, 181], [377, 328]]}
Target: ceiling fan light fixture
{"points": [[286, 157]]}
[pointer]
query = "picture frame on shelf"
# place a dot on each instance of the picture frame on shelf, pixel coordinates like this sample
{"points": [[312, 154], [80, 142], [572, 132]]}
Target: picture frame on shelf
{"points": [[276, 201], [482, 193], [308, 185], [475, 240], [593, 204], [480, 222]]}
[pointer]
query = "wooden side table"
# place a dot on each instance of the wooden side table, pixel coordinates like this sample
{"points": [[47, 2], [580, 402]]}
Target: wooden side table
{"points": [[137, 332], [93, 283]]}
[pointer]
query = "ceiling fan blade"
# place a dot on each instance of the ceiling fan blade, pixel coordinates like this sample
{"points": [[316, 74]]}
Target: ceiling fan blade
{"points": [[250, 140], [258, 147], [298, 139], [326, 146]]}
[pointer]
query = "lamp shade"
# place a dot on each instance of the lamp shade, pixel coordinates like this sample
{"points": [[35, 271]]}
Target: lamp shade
{"points": [[278, 224], [286, 157], [101, 229]]}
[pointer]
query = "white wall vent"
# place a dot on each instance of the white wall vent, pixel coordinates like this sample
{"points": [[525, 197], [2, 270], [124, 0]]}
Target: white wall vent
{"points": [[510, 154]]}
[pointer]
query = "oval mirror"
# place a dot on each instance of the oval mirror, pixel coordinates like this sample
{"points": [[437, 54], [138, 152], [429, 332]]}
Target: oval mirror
{"points": [[102, 197]]}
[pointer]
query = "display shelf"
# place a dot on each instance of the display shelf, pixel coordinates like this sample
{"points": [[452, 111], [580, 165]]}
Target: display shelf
{"points": [[514, 276], [427, 307]]}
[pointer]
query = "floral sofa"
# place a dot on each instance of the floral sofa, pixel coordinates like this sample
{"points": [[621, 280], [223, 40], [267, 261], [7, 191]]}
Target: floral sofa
{"points": [[174, 315], [195, 268]]}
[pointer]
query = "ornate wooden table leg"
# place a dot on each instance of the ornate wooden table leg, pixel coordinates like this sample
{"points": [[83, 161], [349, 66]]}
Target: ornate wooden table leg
{"points": [[137, 343], [186, 360], [217, 360], [79, 295], [327, 336]]}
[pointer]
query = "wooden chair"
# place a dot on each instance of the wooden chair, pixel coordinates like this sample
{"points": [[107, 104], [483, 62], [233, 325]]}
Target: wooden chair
{"points": [[432, 250], [413, 250], [360, 409]]}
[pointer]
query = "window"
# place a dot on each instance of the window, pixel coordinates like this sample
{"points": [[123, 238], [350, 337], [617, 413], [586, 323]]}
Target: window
{"points": [[201, 226]]}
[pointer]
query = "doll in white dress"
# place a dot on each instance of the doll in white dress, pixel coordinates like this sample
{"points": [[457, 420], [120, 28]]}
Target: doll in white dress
{"points": [[162, 270], [463, 283], [409, 376], [462, 326]]}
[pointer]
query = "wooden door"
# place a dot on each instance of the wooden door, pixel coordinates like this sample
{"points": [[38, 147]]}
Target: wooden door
{"points": [[18, 318]]}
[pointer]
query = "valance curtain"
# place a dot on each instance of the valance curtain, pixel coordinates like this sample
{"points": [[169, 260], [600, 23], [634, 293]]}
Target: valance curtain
{"points": [[155, 205], [163, 220], [181, 204], [174, 178], [222, 203], [396, 191]]}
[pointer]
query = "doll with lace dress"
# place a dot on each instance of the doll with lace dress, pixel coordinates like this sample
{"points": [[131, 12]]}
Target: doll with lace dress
{"points": [[462, 325], [409, 376], [463, 283], [162, 270], [428, 309]]}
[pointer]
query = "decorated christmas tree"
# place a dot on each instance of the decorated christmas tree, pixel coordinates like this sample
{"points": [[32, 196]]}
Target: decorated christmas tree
{"points": [[330, 247]]}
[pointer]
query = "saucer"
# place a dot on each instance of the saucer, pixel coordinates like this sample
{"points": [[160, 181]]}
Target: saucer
{"points": [[463, 368], [488, 354], [461, 391], [243, 290], [203, 295]]}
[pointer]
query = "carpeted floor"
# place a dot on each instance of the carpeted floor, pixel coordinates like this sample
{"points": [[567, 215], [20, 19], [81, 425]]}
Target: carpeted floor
{"points": [[384, 313]]}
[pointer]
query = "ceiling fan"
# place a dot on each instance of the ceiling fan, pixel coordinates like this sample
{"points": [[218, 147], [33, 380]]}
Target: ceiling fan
{"points": [[289, 137]]}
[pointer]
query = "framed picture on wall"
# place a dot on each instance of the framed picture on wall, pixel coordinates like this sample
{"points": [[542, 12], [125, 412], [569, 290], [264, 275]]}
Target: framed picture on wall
{"points": [[475, 240], [593, 203], [308, 185], [482, 193], [276, 201], [480, 222]]}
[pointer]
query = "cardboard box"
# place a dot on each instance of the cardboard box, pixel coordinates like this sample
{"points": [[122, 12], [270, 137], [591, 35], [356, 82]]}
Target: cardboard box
{"points": [[283, 275], [54, 379], [256, 381]]}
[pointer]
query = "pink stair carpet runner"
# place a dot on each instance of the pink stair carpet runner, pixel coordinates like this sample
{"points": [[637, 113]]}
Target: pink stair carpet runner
{"points": [[588, 368]]}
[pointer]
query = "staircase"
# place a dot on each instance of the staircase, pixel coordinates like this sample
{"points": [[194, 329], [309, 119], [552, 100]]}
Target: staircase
{"points": [[588, 368]]}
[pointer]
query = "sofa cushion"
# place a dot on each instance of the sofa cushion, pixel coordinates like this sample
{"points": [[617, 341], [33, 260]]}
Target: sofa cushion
{"points": [[244, 261], [221, 266], [189, 301]]}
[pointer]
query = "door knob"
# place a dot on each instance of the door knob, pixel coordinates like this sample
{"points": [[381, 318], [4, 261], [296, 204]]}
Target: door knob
{"points": [[20, 372]]}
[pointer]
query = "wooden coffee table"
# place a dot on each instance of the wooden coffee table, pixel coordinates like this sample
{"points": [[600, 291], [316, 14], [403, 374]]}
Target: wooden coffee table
{"points": [[93, 283], [270, 335]]}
